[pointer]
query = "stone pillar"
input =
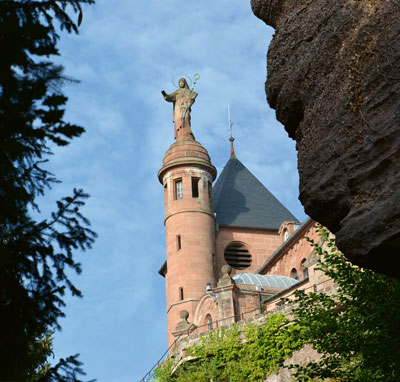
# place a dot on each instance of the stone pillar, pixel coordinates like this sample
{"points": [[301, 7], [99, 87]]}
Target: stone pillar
{"points": [[183, 326], [226, 292]]}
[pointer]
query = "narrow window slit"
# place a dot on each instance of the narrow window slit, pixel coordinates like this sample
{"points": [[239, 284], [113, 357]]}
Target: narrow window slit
{"points": [[195, 187]]}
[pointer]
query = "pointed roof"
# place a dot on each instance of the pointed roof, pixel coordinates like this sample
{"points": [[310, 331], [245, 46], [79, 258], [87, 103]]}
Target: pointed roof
{"points": [[241, 200]]}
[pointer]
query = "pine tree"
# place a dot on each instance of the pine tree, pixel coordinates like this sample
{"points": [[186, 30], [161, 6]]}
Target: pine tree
{"points": [[34, 255]]}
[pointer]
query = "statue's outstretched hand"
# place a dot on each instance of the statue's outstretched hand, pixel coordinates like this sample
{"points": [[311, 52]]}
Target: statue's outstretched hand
{"points": [[163, 93]]}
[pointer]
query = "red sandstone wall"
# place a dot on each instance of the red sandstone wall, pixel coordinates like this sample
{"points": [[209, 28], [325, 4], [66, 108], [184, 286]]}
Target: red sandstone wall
{"points": [[247, 305], [292, 256], [205, 307], [192, 266], [260, 243]]}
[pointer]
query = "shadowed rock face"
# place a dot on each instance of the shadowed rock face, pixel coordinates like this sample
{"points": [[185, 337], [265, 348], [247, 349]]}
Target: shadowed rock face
{"points": [[334, 81]]}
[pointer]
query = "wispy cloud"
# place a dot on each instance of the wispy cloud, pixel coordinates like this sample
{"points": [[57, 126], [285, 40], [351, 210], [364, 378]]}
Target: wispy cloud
{"points": [[126, 53]]}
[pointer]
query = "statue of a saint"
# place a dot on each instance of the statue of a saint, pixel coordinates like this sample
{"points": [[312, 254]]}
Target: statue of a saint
{"points": [[183, 99]]}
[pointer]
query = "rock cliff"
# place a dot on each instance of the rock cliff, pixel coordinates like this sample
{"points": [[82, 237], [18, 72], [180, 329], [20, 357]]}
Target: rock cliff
{"points": [[333, 77]]}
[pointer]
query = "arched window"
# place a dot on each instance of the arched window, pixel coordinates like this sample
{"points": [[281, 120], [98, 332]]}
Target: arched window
{"points": [[293, 274], [305, 269], [237, 256], [285, 234], [209, 322]]}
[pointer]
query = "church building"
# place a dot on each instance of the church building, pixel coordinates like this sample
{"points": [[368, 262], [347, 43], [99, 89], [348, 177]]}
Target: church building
{"points": [[233, 250]]}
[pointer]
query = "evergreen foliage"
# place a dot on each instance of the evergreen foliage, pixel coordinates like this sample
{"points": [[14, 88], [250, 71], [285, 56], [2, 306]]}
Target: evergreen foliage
{"points": [[35, 255], [237, 355], [356, 329]]}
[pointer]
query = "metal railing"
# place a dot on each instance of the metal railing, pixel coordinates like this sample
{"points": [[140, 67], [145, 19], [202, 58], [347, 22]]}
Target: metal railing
{"points": [[193, 330], [237, 317]]}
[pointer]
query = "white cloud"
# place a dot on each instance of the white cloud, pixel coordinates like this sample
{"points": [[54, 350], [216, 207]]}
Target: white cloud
{"points": [[126, 53]]}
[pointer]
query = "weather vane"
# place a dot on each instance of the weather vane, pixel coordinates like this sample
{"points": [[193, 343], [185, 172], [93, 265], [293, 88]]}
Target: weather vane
{"points": [[231, 139], [230, 122]]}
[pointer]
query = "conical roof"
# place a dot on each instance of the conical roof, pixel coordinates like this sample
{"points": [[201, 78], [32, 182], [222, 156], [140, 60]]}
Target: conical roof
{"points": [[241, 200]]}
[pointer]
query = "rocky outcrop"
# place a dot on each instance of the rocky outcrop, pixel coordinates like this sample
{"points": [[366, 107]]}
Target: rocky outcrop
{"points": [[333, 77]]}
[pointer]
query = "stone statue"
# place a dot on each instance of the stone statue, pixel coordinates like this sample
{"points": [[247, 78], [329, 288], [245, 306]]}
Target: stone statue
{"points": [[183, 99]]}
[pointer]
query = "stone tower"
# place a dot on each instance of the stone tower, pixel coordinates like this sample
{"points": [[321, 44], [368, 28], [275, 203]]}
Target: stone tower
{"points": [[187, 175]]}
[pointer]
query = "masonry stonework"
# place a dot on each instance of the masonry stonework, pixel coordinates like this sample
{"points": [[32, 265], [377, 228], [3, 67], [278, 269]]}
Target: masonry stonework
{"points": [[269, 254], [261, 244], [190, 228]]}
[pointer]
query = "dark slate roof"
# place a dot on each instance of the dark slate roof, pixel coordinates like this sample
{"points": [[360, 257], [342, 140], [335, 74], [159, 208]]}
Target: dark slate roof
{"points": [[241, 200]]}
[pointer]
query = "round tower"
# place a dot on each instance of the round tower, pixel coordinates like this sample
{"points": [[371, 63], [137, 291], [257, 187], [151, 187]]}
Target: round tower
{"points": [[187, 175]]}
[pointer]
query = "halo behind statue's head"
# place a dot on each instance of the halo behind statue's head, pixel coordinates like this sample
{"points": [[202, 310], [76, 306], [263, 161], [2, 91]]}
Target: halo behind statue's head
{"points": [[178, 77], [185, 84]]}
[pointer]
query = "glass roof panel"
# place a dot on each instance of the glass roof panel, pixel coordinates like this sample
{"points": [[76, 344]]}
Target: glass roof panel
{"points": [[264, 280]]}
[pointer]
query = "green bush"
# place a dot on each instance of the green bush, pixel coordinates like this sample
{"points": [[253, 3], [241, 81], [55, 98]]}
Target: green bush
{"points": [[238, 355], [357, 328]]}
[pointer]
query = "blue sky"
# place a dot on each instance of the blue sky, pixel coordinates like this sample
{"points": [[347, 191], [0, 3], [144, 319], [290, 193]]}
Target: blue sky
{"points": [[126, 53]]}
